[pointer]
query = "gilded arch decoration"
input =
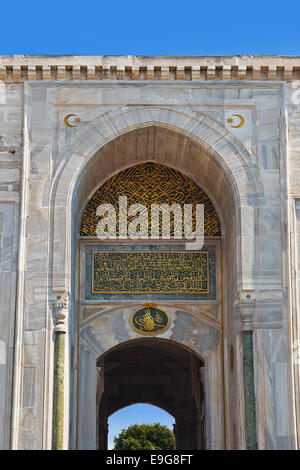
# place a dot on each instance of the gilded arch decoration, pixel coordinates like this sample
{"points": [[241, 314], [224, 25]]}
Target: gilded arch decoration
{"points": [[150, 183]]}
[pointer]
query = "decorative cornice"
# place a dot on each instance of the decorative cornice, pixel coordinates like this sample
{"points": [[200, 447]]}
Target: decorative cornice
{"points": [[17, 69]]}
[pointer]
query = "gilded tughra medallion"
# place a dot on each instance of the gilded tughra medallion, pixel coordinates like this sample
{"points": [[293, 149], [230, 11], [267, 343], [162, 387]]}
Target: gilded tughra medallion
{"points": [[150, 319]]}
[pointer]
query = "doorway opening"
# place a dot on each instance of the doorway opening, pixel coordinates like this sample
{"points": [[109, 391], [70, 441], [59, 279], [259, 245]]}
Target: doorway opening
{"points": [[141, 413], [158, 372]]}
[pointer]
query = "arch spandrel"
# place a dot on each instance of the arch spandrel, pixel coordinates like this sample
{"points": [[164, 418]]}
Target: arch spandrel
{"points": [[196, 333]]}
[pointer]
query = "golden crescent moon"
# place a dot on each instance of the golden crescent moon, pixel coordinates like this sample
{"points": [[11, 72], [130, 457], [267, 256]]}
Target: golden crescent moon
{"points": [[66, 120], [242, 121]]}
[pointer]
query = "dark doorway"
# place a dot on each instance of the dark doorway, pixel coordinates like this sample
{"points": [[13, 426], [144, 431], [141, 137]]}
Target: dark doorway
{"points": [[158, 372]]}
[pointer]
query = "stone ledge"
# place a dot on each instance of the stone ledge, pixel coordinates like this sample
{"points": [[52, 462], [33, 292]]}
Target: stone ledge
{"points": [[17, 69]]}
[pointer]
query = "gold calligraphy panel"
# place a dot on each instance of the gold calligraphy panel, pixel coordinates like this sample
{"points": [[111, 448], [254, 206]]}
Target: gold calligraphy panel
{"points": [[150, 183], [172, 272]]}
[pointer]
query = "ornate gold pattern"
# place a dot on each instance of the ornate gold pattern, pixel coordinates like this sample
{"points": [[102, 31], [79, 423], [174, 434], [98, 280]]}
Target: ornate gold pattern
{"points": [[150, 272], [150, 320], [150, 183]]}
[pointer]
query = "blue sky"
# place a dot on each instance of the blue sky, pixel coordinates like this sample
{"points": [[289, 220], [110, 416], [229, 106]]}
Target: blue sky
{"points": [[136, 414], [156, 27]]}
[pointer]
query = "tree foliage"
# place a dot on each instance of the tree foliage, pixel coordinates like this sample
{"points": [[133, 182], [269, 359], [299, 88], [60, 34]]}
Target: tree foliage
{"points": [[145, 437]]}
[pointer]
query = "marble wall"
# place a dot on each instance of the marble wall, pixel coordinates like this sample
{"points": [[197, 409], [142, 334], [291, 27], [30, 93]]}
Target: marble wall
{"points": [[11, 120]]}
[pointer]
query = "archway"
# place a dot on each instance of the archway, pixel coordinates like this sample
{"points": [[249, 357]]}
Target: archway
{"points": [[158, 372], [200, 326], [164, 280]]}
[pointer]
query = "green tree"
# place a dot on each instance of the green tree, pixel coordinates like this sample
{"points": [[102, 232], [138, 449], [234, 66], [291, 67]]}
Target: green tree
{"points": [[145, 437]]}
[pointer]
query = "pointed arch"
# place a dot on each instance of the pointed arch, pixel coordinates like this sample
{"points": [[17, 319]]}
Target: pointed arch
{"points": [[217, 148]]}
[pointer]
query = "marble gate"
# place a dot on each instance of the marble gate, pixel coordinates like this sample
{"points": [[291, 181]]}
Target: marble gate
{"points": [[232, 342]]}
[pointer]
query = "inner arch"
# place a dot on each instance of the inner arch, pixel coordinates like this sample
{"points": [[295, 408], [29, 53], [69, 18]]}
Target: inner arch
{"points": [[157, 372], [180, 152]]}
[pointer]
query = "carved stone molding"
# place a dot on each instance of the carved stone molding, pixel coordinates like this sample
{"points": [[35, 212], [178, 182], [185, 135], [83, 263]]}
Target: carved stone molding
{"points": [[245, 302], [60, 310], [16, 69]]}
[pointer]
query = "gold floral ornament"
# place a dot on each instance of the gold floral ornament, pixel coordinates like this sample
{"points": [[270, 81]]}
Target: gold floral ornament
{"points": [[150, 319]]}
